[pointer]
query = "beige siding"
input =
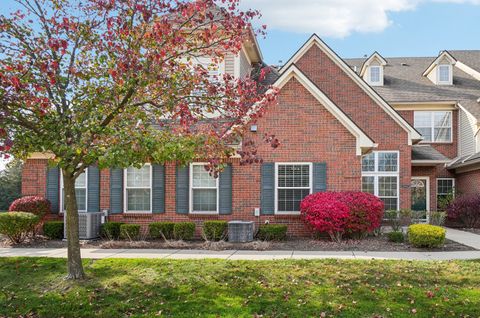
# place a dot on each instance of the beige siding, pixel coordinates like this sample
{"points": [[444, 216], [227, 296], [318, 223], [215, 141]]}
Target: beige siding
{"points": [[230, 64], [245, 67], [466, 133]]}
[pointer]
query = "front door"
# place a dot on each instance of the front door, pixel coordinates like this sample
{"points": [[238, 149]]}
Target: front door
{"points": [[420, 192]]}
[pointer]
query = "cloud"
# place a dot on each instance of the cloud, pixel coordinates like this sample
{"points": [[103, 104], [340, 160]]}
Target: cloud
{"points": [[334, 18]]}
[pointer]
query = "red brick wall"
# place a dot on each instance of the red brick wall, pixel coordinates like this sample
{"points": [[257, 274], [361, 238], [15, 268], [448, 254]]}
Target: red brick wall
{"points": [[468, 182], [433, 173], [449, 149], [34, 177]]}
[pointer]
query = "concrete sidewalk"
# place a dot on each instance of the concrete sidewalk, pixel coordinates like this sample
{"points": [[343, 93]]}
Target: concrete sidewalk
{"points": [[465, 238]]}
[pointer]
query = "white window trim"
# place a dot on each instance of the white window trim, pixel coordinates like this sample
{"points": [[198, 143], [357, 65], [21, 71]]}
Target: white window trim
{"points": [[453, 187], [125, 198], [62, 210], [191, 191], [380, 75], [376, 174], [432, 125], [277, 188], [447, 82]]}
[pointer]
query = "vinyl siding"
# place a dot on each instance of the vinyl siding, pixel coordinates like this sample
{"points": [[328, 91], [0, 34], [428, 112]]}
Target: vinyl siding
{"points": [[466, 130]]}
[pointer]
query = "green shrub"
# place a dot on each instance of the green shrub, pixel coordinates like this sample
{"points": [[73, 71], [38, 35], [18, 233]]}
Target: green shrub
{"points": [[437, 218], [17, 225], [184, 230], [53, 230], [396, 236], [393, 219], [272, 232], [214, 230], [426, 235], [159, 230], [111, 230], [130, 232]]}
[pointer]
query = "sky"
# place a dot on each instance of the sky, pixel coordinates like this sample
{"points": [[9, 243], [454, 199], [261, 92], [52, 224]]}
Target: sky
{"points": [[354, 28]]}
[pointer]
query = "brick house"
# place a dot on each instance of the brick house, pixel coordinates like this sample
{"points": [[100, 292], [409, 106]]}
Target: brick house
{"points": [[404, 129]]}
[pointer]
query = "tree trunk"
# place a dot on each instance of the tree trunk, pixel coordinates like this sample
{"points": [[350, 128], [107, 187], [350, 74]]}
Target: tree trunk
{"points": [[74, 263]]}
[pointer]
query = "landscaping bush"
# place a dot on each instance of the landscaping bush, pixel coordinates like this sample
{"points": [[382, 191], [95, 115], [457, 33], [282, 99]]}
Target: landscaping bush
{"points": [[426, 235], [393, 219], [159, 230], [437, 218], [396, 236], [31, 204], [184, 230], [53, 230], [111, 230], [272, 232], [214, 230], [17, 225], [130, 232], [465, 209], [336, 213]]}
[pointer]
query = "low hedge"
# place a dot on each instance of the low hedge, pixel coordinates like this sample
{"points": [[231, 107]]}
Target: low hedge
{"points": [[272, 232], [158, 230], [184, 230], [396, 236], [17, 225], [53, 230], [130, 231], [214, 230], [426, 235], [111, 230]]}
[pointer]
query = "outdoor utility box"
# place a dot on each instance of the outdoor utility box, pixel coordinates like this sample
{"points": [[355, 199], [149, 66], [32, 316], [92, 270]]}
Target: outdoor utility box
{"points": [[88, 224], [240, 231]]}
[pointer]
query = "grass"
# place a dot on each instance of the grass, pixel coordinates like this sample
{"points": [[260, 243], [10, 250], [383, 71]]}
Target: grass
{"points": [[33, 287]]}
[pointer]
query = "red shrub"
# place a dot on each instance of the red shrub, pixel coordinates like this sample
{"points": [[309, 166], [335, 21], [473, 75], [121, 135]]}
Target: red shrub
{"points": [[336, 213], [33, 204], [465, 209]]}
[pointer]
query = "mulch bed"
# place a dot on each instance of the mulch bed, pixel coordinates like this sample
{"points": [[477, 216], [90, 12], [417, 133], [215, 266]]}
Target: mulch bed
{"points": [[378, 243]]}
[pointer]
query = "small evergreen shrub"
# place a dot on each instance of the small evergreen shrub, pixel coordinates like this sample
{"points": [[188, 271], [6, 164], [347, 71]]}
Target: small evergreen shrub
{"points": [[130, 232], [214, 230], [17, 225], [272, 232], [111, 230], [396, 237], [426, 235], [184, 230], [31, 204], [158, 230], [53, 230]]}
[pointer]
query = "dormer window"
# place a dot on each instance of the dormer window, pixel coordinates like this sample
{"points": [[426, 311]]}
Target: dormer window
{"points": [[375, 74], [444, 74], [372, 69]]}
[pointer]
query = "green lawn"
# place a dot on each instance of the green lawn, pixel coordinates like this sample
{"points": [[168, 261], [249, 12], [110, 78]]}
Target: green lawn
{"points": [[31, 287]]}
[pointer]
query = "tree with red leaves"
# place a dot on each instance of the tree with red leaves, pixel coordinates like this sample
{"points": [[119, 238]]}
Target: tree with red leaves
{"points": [[118, 83]]}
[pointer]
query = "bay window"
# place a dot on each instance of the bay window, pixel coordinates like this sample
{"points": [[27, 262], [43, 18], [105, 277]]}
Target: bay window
{"points": [[380, 176], [293, 183], [138, 189]]}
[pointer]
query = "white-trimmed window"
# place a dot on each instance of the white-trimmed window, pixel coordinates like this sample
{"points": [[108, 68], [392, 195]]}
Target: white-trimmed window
{"points": [[435, 126], [375, 74], [445, 188], [80, 192], [293, 182], [380, 176], [138, 189], [203, 190], [444, 76]]}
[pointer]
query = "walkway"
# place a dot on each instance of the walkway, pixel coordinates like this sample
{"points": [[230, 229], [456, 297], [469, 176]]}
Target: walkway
{"points": [[465, 238]]}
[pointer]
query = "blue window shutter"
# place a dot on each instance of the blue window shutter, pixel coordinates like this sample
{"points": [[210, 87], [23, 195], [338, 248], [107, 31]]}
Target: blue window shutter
{"points": [[267, 203], [182, 201], [225, 191], [53, 188], [319, 177], [158, 189], [93, 188], [116, 190]]}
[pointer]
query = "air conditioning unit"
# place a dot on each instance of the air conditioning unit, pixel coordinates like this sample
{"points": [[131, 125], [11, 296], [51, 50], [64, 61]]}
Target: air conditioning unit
{"points": [[88, 225], [240, 231]]}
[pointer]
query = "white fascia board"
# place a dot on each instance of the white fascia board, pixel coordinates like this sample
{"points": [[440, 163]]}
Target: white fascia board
{"points": [[435, 62], [413, 135], [363, 142], [467, 69], [374, 56]]}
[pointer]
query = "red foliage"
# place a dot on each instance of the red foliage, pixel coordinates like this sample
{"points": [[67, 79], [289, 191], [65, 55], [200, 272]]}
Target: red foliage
{"points": [[336, 213], [33, 204], [465, 209]]}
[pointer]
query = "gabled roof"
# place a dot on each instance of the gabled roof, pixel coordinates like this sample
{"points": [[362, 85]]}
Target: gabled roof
{"points": [[374, 56], [413, 135], [440, 57], [364, 142]]}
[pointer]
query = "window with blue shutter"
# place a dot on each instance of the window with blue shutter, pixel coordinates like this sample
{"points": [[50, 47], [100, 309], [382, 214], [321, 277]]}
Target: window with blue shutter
{"points": [[93, 189], [182, 190], [267, 199], [158, 189], [53, 188], [225, 190], [319, 177], [116, 190]]}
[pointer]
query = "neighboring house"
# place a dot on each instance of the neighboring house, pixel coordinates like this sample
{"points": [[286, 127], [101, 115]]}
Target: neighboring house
{"points": [[343, 125]]}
